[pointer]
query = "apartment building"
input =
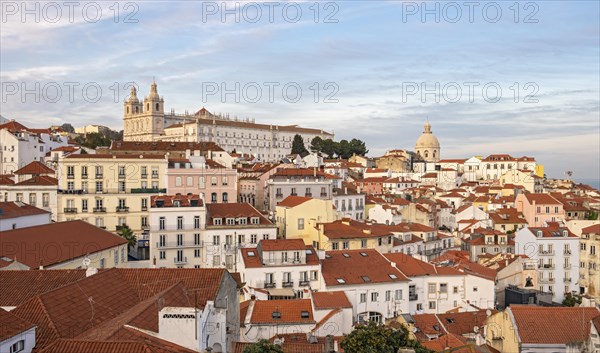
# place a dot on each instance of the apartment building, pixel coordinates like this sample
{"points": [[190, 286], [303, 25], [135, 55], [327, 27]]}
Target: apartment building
{"points": [[556, 250], [486, 242], [110, 190], [298, 216], [589, 245], [539, 208], [350, 203], [297, 182], [176, 224]]}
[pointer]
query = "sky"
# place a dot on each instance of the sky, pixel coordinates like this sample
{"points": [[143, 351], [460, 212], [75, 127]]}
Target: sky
{"points": [[491, 77]]}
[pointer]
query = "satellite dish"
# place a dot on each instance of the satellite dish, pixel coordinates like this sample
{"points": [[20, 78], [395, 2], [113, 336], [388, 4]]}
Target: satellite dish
{"points": [[476, 329], [415, 330], [488, 312], [86, 261]]}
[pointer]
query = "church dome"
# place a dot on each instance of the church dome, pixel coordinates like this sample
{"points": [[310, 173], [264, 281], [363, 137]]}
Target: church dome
{"points": [[427, 139]]}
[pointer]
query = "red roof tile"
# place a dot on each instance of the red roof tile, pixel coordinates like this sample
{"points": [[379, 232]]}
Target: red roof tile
{"points": [[366, 267], [330, 300], [11, 325], [290, 312], [35, 168], [293, 201], [593, 229], [542, 199], [412, 267], [39, 180], [56, 243], [12, 209], [19, 286], [234, 210], [281, 244], [171, 200], [553, 325]]}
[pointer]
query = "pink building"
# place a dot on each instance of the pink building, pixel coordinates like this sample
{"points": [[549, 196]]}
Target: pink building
{"points": [[371, 186], [197, 175], [539, 209]]}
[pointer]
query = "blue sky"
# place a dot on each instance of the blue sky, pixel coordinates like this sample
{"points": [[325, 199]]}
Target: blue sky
{"points": [[372, 53]]}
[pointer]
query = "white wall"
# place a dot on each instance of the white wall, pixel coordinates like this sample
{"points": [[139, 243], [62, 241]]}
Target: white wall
{"points": [[28, 336]]}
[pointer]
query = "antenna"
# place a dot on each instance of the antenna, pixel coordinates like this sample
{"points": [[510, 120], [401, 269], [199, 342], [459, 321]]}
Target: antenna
{"points": [[86, 261]]}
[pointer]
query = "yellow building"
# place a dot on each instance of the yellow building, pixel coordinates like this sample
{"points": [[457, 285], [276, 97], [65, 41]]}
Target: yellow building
{"points": [[297, 217], [527, 179], [588, 256], [394, 160], [109, 190]]}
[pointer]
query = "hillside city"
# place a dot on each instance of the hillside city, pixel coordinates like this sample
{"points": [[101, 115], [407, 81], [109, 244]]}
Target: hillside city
{"points": [[197, 232]]}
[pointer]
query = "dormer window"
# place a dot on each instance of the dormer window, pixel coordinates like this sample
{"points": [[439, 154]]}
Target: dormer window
{"points": [[230, 221], [254, 220], [217, 221], [242, 220]]}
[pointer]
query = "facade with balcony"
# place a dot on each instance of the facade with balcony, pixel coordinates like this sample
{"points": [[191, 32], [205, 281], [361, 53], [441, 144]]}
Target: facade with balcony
{"points": [[176, 224], [589, 245], [297, 182], [110, 191], [486, 242], [349, 203], [555, 249], [285, 268]]}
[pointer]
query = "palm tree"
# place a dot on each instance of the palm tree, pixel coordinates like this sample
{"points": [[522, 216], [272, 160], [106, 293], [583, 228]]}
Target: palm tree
{"points": [[127, 233]]}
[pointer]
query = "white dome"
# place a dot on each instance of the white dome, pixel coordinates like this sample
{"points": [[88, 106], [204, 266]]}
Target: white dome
{"points": [[427, 139]]}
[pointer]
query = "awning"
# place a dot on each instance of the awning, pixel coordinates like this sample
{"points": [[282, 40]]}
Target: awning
{"points": [[281, 292]]}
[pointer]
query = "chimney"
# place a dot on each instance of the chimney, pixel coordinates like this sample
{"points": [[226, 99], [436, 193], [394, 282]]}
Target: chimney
{"points": [[393, 264]]}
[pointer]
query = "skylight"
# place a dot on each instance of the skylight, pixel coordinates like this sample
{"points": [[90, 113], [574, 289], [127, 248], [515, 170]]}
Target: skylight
{"points": [[251, 253], [309, 252], [340, 280], [393, 276], [346, 255], [366, 278], [364, 254]]}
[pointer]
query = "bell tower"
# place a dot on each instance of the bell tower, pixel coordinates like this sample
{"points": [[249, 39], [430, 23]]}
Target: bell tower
{"points": [[143, 121], [154, 112]]}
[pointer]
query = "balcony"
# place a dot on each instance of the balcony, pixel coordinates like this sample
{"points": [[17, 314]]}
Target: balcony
{"points": [[308, 194], [70, 210], [70, 176], [567, 266], [175, 245], [154, 175], [269, 284], [99, 176], [144, 175], [413, 296], [546, 280], [303, 283], [84, 176], [122, 209], [99, 209], [287, 284], [323, 194], [567, 252], [144, 208], [546, 266], [180, 260], [74, 192], [148, 191], [546, 253]]}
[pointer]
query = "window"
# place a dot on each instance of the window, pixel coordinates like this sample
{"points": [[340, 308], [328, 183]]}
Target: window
{"points": [[162, 255], [474, 289], [213, 181], [178, 181], [84, 205], [363, 243], [98, 186], [197, 239], [252, 238], [398, 294], [201, 182], [216, 261], [443, 287], [17, 346], [455, 289], [179, 222], [196, 222], [300, 223], [374, 296], [179, 239], [213, 197], [225, 197], [84, 172], [432, 305], [216, 239], [161, 223], [335, 246], [225, 181], [431, 287], [102, 261], [345, 245], [363, 297], [388, 295], [314, 275], [189, 181], [196, 253]]}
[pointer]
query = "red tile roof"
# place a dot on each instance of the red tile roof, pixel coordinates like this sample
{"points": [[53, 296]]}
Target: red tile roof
{"points": [[169, 200], [14, 209], [412, 267], [593, 229], [6, 180], [542, 199], [56, 243], [330, 300], [293, 201], [114, 156], [290, 312], [252, 258], [287, 347], [11, 325], [281, 244], [366, 267], [39, 180], [234, 210], [13, 126], [35, 168], [19, 286], [163, 146], [447, 343], [552, 325]]}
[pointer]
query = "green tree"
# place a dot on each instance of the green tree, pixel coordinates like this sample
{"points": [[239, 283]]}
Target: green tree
{"points": [[571, 300], [316, 144], [128, 235], [329, 147], [358, 147], [68, 127], [592, 216], [343, 149], [298, 145], [377, 338], [263, 346]]}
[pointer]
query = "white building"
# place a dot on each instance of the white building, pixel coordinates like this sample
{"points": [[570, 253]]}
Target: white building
{"points": [[176, 224], [16, 215], [349, 203], [230, 227], [20, 145], [375, 287], [556, 250], [17, 335]]}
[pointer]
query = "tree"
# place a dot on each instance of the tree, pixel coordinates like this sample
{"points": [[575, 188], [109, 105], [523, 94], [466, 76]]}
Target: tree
{"points": [[329, 148], [298, 145], [68, 127], [128, 235], [592, 216], [571, 300], [358, 147], [343, 149], [316, 144], [263, 346], [377, 338]]}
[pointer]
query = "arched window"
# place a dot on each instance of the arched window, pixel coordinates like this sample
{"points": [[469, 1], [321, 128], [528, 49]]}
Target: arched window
{"points": [[178, 181], [434, 153], [213, 197], [156, 106], [225, 197], [127, 110], [426, 154], [137, 109], [148, 106]]}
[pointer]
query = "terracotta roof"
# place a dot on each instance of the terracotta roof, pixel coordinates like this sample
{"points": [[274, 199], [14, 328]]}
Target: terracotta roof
{"points": [[39, 180], [6, 180], [498, 158], [11, 325], [412, 267], [13, 126], [281, 244], [252, 258], [115, 156], [593, 229], [543, 199], [290, 312], [287, 347], [429, 176], [19, 286], [14, 209], [66, 149], [56, 243], [169, 201], [446, 343], [552, 231], [35, 168], [163, 146], [351, 229], [293, 201], [330, 300], [365, 266], [234, 210], [507, 215], [552, 325]]}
